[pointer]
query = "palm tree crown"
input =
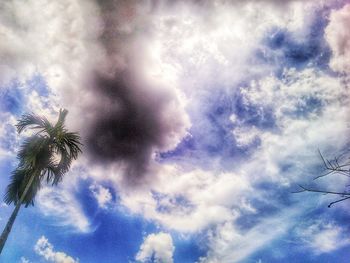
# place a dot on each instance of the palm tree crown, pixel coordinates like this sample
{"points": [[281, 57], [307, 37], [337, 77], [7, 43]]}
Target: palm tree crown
{"points": [[46, 156]]}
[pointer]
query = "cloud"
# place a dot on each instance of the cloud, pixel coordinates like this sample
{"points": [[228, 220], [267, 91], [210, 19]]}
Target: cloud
{"points": [[130, 124], [8, 138], [45, 249], [132, 115], [322, 237], [197, 196], [245, 136], [24, 260], [337, 35], [300, 108], [61, 205], [229, 243], [193, 201], [102, 195], [158, 247]]}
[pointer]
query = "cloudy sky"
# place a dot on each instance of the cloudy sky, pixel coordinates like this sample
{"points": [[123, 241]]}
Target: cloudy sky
{"points": [[199, 119]]}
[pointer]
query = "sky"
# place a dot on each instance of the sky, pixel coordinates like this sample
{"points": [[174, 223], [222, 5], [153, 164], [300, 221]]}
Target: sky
{"points": [[199, 120]]}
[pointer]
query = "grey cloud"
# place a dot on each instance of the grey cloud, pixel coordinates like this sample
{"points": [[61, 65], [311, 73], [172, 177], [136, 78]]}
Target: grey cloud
{"points": [[130, 118], [127, 124]]}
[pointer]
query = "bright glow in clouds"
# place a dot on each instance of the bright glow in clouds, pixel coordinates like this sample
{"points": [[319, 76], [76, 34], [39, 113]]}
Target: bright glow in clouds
{"points": [[45, 249], [157, 246]]}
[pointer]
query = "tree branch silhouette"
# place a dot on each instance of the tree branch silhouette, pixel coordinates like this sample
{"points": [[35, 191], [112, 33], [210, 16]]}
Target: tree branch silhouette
{"points": [[334, 166]]}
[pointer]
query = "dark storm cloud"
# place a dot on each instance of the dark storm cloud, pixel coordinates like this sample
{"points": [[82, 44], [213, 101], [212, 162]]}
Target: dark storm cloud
{"points": [[127, 126], [129, 118]]}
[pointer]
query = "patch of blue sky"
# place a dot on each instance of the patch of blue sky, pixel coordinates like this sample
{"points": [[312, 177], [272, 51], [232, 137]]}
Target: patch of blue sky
{"points": [[254, 115], [212, 127], [86, 198], [8, 138], [14, 95], [117, 238], [38, 83], [116, 235], [306, 106], [185, 147], [12, 99], [284, 49], [266, 205], [28, 228], [165, 203], [189, 249]]}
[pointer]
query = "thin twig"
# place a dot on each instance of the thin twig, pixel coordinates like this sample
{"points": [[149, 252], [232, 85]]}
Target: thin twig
{"points": [[332, 203], [321, 191]]}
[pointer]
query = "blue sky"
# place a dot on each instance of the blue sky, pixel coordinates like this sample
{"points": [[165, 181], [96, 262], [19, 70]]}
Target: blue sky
{"points": [[199, 119]]}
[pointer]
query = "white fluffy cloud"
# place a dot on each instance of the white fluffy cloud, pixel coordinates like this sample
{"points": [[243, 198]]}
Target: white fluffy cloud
{"points": [[39, 48], [60, 205], [200, 49], [338, 37], [228, 243], [157, 246], [323, 237], [45, 249], [102, 195], [192, 201]]}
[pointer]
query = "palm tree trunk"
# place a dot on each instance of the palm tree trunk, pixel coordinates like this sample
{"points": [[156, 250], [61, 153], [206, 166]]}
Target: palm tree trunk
{"points": [[8, 227]]}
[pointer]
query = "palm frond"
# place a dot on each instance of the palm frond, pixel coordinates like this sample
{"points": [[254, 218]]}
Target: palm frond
{"points": [[61, 119], [72, 143], [18, 182], [12, 190], [34, 152], [53, 174], [35, 122], [68, 144]]}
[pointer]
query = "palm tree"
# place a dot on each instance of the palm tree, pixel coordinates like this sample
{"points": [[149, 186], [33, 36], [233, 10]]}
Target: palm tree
{"points": [[45, 156]]}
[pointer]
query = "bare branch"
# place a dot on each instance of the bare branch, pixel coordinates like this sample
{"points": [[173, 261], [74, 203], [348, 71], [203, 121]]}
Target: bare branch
{"points": [[332, 203], [333, 166], [304, 189]]}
